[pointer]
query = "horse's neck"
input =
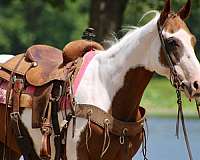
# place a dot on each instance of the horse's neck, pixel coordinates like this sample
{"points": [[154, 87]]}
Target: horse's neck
{"points": [[113, 80], [127, 99]]}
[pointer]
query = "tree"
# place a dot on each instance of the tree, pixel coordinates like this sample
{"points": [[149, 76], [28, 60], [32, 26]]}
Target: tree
{"points": [[26, 22], [106, 16], [56, 22]]}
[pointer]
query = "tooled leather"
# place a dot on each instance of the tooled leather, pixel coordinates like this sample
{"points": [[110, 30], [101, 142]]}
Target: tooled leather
{"points": [[116, 126]]}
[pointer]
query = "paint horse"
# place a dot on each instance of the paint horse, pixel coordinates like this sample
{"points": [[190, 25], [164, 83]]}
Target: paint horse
{"points": [[112, 84]]}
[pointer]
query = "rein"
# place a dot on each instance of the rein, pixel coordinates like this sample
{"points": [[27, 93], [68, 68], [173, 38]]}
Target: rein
{"points": [[177, 83]]}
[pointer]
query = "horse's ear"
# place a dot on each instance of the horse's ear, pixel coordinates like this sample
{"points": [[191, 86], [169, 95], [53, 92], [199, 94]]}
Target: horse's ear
{"points": [[185, 10], [165, 11]]}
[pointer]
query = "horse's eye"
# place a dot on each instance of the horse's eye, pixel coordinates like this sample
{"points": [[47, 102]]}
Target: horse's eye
{"points": [[172, 42]]}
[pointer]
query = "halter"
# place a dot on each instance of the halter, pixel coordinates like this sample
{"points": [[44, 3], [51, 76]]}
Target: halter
{"points": [[177, 83]]}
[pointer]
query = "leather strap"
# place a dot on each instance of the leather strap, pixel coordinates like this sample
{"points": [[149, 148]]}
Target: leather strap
{"points": [[56, 129], [115, 126], [176, 82], [56, 91], [25, 100], [17, 89], [46, 129]]}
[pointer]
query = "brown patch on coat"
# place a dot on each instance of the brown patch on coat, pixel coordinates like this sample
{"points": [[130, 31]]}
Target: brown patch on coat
{"points": [[175, 48], [124, 107], [13, 151], [11, 142], [173, 24], [127, 99]]}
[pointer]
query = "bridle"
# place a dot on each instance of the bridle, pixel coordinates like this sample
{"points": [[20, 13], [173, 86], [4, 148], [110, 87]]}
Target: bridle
{"points": [[174, 78], [177, 83]]}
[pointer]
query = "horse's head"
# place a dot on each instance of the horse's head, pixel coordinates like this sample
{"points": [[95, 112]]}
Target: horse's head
{"points": [[178, 49]]}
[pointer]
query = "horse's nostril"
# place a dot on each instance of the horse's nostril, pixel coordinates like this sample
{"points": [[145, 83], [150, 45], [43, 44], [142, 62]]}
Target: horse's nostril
{"points": [[196, 85]]}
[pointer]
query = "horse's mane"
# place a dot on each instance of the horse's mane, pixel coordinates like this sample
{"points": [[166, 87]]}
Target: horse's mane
{"points": [[127, 29]]}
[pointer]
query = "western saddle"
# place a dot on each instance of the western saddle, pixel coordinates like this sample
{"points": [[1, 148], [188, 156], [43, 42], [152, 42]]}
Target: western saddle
{"points": [[37, 79]]}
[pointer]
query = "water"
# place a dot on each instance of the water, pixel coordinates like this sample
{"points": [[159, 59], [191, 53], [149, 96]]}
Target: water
{"points": [[162, 143]]}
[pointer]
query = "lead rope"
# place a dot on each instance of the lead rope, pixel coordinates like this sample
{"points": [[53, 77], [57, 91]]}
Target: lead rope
{"points": [[181, 116]]}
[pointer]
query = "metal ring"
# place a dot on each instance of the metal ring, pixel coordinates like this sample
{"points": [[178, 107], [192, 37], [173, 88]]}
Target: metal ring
{"points": [[34, 64], [125, 130], [89, 112], [121, 139], [106, 121]]}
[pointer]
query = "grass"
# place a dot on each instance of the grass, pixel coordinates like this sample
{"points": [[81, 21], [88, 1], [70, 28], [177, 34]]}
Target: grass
{"points": [[160, 100]]}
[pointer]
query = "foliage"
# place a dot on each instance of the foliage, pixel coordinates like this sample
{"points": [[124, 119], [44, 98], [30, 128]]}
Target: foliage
{"points": [[56, 22], [160, 99], [23, 23]]}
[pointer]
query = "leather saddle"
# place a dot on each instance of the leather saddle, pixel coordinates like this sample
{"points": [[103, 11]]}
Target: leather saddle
{"points": [[34, 79], [42, 64]]}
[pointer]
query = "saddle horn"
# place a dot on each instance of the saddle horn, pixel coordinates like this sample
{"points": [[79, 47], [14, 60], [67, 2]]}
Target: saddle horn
{"points": [[184, 12]]}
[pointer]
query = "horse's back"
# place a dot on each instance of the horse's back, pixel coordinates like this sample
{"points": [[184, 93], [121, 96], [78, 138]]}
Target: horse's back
{"points": [[5, 57]]}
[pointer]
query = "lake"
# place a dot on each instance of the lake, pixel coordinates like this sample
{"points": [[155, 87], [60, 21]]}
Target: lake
{"points": [[162, 143]]}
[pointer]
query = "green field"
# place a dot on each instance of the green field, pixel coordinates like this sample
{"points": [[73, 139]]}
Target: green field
{"points": [[160, 100]]}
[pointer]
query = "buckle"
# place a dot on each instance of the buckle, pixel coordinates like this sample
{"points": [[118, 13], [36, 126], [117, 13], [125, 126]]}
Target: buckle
{"points": [[14, 115]]}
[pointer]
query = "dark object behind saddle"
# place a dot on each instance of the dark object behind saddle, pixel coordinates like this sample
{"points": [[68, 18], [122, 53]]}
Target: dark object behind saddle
{"points": [[41, 65]]}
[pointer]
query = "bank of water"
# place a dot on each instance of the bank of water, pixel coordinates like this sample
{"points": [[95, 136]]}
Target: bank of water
{"points": [[162, 143]]}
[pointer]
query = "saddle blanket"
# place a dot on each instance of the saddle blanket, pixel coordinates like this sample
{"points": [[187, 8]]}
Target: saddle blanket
{"points": [[30, 90]]}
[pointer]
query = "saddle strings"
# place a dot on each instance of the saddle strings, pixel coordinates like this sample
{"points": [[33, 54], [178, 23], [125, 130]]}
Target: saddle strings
{"points": [[106, 139], [88, 135]]}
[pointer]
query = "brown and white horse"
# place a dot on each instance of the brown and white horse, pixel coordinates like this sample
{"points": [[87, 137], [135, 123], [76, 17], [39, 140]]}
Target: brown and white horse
{"points": [[116, 78]]}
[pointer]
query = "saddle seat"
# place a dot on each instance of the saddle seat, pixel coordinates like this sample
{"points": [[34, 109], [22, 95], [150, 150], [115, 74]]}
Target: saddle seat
{"points": [[42, 63]]}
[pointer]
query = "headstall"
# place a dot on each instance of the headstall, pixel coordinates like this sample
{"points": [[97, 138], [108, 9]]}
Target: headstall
{"points": [[177, 83]]}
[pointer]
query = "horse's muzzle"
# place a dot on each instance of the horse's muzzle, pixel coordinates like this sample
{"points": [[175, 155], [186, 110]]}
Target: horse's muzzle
{"points": [[191, 89]]}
